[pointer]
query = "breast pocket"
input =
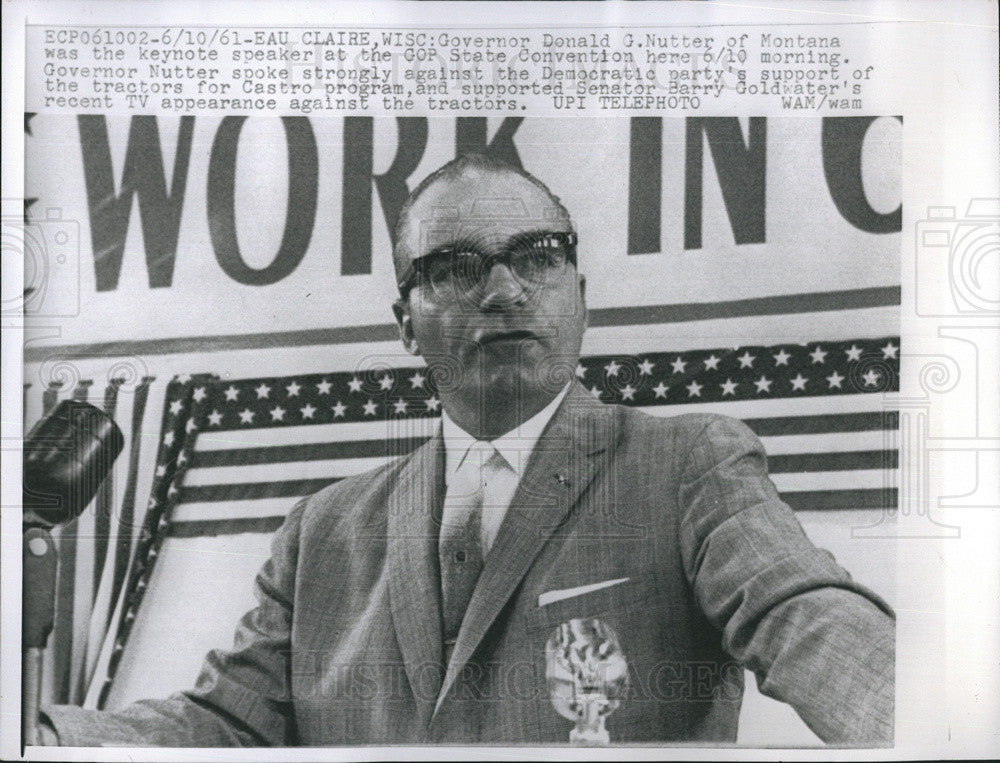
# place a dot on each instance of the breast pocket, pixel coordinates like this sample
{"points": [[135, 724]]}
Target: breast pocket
{"points": [[618, 597]]}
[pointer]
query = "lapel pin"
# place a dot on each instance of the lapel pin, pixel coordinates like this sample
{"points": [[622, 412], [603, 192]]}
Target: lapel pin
{"points": [[561, 479]]}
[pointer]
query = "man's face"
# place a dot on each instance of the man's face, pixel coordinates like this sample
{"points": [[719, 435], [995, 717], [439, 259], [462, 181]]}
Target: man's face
{"points": [[499, 330]]}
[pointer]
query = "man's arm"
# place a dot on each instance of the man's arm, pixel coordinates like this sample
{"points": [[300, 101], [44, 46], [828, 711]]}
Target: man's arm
{"points": [[242, 696], [787, 611]]}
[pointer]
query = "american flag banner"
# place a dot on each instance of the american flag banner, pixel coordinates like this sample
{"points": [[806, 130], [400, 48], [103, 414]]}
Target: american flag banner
{"points": [[266, 442], [96, 548], [235, 455], [185, 404]]}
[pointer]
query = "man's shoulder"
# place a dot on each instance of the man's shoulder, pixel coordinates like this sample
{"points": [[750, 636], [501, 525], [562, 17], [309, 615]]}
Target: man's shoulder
{"points": [[686, 427], [354, 496]]}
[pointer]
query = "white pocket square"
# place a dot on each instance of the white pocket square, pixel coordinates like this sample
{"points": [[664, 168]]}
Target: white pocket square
{"points": [[549, 597]]}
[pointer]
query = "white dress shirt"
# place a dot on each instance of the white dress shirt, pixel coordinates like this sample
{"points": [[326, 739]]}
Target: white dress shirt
{"points": [[465, 457]]}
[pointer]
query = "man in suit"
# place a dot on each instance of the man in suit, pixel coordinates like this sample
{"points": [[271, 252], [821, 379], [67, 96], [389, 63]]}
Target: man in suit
{"points": [[541, 542]]}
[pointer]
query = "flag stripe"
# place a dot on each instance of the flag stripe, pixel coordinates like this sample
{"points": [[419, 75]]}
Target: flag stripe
{"points": [[831, 426], [841, 442], [833, 500], [789, 482], [798, 460], [305, 469], [105, 502], [844, 422], [210, 527], [829, 462], [285, 488], [283, 454], [814, 500], [245, 509], [253, 490], [123, 543]]}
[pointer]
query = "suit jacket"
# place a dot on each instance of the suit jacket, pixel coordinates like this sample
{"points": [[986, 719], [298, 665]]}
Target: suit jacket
{"points": [[714, 573]]}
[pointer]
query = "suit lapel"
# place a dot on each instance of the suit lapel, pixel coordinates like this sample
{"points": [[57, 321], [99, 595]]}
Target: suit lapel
{"points": [[562, 465], [414, 587]]}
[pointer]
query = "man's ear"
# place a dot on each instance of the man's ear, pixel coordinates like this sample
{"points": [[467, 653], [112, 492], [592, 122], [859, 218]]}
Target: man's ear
{"points": [[401, 309]]}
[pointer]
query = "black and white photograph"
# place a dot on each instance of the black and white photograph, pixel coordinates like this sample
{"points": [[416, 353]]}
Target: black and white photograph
{"points": [[529, 379]]}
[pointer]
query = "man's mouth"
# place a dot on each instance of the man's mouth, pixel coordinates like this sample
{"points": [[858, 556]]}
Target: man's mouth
{"points": [[496, 337]]}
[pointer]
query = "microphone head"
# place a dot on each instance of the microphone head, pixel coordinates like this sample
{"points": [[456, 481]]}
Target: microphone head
{"points": [[67, 455]]}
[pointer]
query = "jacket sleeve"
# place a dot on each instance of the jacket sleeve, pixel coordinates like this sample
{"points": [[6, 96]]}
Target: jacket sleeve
{"points": [[242, 696], [786, 610]]}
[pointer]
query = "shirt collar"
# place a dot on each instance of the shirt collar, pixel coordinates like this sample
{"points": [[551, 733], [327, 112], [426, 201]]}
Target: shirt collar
{"points": [[515, 446]]}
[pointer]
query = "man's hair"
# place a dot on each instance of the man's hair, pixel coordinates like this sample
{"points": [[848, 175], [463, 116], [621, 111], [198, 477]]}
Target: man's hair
{"points": [[455, 169]]}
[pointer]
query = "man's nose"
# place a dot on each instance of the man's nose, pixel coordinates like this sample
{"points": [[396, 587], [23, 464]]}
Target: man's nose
{"points": [[501, 288]]}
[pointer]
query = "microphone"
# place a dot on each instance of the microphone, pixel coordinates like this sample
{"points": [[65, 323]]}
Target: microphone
{"points": [[67, 455]]}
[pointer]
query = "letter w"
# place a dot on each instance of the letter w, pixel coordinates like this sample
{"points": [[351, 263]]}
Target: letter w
{"points": [[143, 175]]}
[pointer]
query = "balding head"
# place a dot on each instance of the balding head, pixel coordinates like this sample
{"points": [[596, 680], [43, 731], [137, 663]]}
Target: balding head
{"points": [[473, 197]]}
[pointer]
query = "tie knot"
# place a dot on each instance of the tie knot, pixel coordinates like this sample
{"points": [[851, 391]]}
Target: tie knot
{"points": [[481, 462]]}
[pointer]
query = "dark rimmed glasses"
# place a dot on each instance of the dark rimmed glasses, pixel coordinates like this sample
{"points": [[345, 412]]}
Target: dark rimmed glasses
{"points": [[462, 268]]}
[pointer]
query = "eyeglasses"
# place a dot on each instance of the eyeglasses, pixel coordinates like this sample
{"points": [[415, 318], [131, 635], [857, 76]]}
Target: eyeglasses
{"points": [[462, 269]]}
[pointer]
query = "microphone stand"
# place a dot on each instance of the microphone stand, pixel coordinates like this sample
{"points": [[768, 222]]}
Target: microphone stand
{"points": [[37, 614]]}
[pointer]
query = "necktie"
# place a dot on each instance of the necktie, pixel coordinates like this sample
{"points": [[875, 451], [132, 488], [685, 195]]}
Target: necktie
{"points": [[460, 551]]}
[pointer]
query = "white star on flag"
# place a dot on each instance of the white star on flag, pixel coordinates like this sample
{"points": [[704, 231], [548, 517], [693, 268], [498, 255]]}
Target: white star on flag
{"points": [[400, 406], [854, 353], [231, 393], [728, 387], [168, 438], [417, 380], [181, 458], [307, 411], [293, 389], [339, 409], [628, 392], [385, 382], [595, 391], [370, 407], [184, 378], [277, 413], [646, 368], [712, 362], [889, 351], [354, 384], [580, 371], [694, 389], [198, 394], [432, 403], [246, 416], [872, 377], [818, 355], [799, 382], [175, 407], [190, 426], [763, 384], [161, 470], [746, 359], [215, 418], [660, 390], [678, 365], [262, 391], [323, 388], [834, 380], [781, 359], [611, 369]]}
